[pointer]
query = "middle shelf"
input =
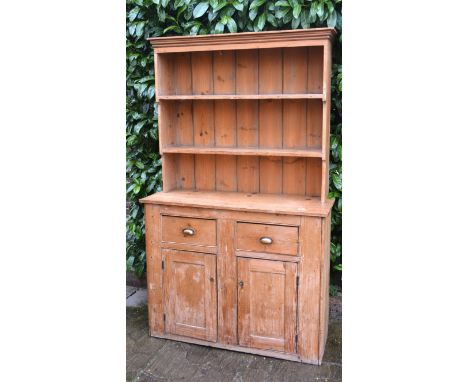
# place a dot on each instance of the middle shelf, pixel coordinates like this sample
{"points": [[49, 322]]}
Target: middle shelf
{"points": [[267, 152]]}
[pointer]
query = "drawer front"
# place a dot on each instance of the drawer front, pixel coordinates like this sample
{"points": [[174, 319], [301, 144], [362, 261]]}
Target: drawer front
{"points": [[267, 238], [191, 231]]}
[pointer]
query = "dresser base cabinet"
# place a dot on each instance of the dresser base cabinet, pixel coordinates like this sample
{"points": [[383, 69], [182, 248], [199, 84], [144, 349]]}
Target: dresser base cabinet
{"points": [[264, 298]]}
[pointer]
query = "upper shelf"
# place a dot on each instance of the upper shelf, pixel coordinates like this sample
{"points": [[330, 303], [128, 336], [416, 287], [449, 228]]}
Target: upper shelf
{"points": [[269, 152], [239, 96]]}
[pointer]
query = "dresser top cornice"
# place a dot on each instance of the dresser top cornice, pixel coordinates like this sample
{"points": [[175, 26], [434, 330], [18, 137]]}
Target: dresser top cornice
{"points": [[245, 40]]}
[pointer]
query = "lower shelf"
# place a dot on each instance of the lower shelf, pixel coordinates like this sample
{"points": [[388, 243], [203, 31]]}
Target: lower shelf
{"points": [[238, 201], [265, 353]]}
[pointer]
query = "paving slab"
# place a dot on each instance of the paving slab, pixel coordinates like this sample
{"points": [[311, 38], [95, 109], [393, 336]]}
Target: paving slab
{"points": [[138, 299], [131, 290], [154, 360]]}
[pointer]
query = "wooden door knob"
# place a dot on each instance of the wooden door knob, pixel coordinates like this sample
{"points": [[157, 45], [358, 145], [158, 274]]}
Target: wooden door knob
{"points": [[188, 231], [266, 240]]}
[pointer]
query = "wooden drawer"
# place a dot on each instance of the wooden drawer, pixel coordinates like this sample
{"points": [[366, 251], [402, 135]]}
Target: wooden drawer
{"points": [[255, 237], [185, 231]]}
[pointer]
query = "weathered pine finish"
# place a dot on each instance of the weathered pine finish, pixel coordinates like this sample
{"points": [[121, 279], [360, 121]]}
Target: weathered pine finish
{"points": [[238, 241]]}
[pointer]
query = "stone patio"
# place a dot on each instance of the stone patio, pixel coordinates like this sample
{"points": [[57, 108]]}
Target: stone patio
{"points": [[154, 359]]}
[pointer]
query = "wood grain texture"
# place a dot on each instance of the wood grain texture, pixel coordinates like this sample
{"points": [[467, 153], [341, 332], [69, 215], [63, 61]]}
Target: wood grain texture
{"points": [[245, 40], [246, 96], [204, 230], [267, 304], [250, 151], [226, 173], [227, 283], [202, 73], [239, 201], [182, 77], [309, 288], [154, 270], [224, 72], [294, 70], [190, 294], [284, 238], [205, 172], [325, 284]]}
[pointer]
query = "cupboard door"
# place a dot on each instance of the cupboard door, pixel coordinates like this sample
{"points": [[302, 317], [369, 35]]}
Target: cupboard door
{"points": [[190, 294], [267, 300]]}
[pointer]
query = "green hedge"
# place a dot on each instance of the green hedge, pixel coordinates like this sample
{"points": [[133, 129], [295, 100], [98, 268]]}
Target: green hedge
{"points": [[148, 18]]}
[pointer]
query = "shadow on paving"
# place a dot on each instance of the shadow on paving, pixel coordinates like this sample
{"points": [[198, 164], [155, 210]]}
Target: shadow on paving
{"points": [[154, 359]]}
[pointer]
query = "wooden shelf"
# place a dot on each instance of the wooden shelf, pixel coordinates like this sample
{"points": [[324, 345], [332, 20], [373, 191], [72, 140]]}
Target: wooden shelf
{"points": [[303, 153], [240, 96], [238, 201]]}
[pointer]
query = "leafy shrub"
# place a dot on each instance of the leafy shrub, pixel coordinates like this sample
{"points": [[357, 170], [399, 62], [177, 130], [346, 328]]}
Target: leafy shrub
{"points": [[148, 18]]}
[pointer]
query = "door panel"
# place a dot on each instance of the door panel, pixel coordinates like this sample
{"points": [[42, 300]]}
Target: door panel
{"points": [[190, 294], [267, 298]]}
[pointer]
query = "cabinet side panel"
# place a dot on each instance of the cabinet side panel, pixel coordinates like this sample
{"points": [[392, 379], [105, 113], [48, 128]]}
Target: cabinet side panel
{"points": [[164, 73], [227, 283], [313, 176], [154, 270], [309, 288], [315, 69], [314, 123], [324, 289]]}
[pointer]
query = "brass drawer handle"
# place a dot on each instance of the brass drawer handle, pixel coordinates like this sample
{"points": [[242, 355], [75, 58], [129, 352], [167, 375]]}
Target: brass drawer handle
{"points": [[188, 231], [266, 240]]}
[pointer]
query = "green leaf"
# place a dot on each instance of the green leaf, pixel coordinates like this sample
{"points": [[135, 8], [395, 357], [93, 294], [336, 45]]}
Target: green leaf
{"points": [[238, 5], [219, 28], [219, 6], [133, 13], [331, 21], [139, 28], [295, 23], [232, 26], [171, 28], [200, 10], [138, 126], [296, 10], [253, 14], [261, 21], [256, 3], [282, 3]]}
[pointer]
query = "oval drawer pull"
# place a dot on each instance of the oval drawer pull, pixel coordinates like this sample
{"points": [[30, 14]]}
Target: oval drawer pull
{"points": [[188, 231], [266, 240]]}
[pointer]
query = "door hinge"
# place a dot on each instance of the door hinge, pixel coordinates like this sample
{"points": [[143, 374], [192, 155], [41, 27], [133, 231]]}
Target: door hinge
{"points": [[162, 264]]}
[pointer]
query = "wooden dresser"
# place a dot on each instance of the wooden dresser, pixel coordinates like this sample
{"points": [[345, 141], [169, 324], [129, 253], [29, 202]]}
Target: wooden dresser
{"points": [[238, 242]]}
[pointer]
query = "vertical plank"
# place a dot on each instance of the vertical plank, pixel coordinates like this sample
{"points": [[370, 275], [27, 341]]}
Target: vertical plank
{"points": [[290, 306], [294, 123], [270, 133], [165, 73], [247, 123], [182, 122], [202, 73], [314, 123], [227, 283], [185, 172], [205, 169], [270, 71], [182, 79], [294, 70], [203, 123], [156, 74], [327, 62], [243, 306], [154, 270], [248, 176], [210, 298], [247, 71], [224, 72], [310, 241], [324, 288], [294, 176], [226, 173], [313, 176], [166, 124], [169, 172], [225, 123], [271, 175], [315, 69]]}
